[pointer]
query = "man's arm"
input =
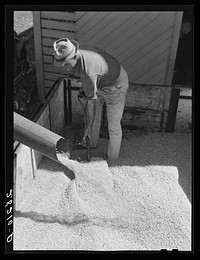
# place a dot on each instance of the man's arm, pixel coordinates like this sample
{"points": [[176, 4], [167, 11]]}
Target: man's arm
{"points": [[90, 90]]}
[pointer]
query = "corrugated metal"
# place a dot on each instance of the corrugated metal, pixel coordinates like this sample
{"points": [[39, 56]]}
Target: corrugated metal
{"points": [[140, 41]]}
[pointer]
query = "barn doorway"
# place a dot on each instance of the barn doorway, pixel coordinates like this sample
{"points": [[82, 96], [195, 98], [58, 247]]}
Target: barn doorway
{"points": [[183, 70]]}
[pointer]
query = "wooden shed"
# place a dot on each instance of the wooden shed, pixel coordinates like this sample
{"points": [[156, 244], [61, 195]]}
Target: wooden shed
{"points": [[144, 42]]}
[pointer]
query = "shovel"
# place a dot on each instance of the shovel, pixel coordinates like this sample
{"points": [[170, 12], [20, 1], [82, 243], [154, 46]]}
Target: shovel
{"points": [[80, 98]]}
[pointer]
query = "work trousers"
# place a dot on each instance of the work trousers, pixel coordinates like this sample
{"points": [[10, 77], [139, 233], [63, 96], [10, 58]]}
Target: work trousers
{"points": [[114, 98]]}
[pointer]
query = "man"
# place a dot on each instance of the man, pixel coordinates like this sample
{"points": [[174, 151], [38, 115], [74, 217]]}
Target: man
{"points": [[103, 80]]}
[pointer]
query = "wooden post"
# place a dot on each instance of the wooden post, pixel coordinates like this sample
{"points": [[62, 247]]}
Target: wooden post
{"points": [[171, 119], [65, 100], [38, 54], [174, 46], [69, 101], [14, 179], [168, 92]]}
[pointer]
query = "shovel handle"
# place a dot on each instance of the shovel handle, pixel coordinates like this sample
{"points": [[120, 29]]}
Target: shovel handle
{"points": [[88, 148]]}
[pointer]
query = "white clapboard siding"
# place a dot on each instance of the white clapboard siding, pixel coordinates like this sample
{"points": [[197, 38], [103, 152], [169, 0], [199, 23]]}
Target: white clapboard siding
{"points": [[144, 49], [107, 26], [116, 35], [78, 15], [54, 25], [55, 34], [140, 32], [59, 25], [150, 57], [153, 72], [48, 84], [158, 78], [48, 42], [66, 16], [140, 41], [90, 32], [144, 42], [47, 59], [93, 26], [51, 76], [47, 50]]}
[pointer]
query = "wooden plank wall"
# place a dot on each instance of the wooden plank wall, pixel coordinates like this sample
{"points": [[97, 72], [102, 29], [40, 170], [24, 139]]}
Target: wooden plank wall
{"points": [[27, 160], [141, 41], [23, 174], [145, 43], [54, 25], [184, 111], [146, 107]]}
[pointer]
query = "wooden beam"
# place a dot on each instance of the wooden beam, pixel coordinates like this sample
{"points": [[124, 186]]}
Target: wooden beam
{"points": [[174, 47], [59, 15], [52, 24], [171, 119], [38, 54], [170, 103]]}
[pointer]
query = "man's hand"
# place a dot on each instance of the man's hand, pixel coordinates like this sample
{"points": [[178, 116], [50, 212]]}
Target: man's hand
{"points": [[81, 93]]}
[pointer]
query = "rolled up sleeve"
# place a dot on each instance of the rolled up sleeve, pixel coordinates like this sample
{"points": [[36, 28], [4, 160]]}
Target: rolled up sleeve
{"points": [[90, 86]]}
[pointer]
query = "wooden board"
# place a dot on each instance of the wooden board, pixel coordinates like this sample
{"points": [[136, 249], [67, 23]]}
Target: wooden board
{"points": [[50, 68], [143, 90], [109, 25], [157, 72], [184, 116], [148, 59], [23, 174], [59, 25], [57, 111], [43, 120], [84, 19], [66, 16], [47, 50], [148, 120], [47, 89], [142, 66], [115, 39], [51, 76], [134, 38], [174, 46], [184, 111], [76, 107], [48, 42], [90, 29], [55, 34], [159, 78], [157, 28], [27, 161], [38, 54], [139, 50]]}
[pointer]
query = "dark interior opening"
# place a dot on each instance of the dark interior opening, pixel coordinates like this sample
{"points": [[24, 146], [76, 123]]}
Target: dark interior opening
{"points": [[183, 70]]}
